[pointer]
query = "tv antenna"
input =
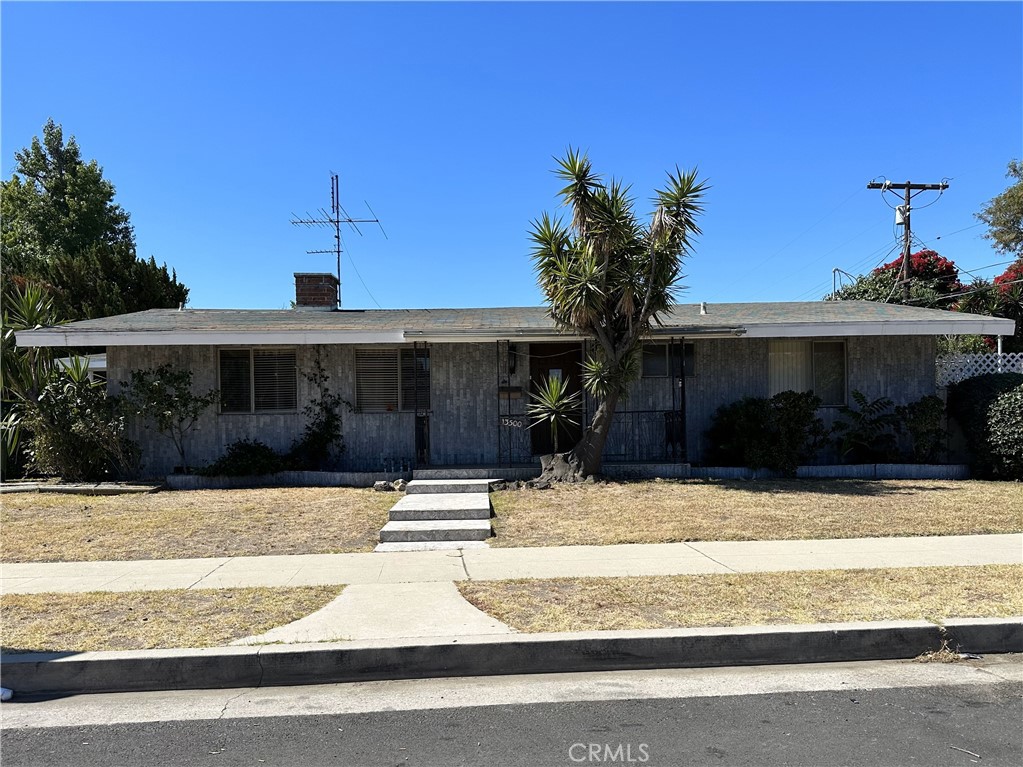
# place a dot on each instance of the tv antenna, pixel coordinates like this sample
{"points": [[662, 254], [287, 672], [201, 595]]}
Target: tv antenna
{"points": [[337, 216]]}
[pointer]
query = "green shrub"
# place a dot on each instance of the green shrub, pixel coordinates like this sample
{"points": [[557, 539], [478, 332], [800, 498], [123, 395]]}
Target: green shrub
{"points": [[75, 431], [777, 433], [969, 402], [869, 432], [923, 420], [245, 458], [1005, 434], [322, 442]]}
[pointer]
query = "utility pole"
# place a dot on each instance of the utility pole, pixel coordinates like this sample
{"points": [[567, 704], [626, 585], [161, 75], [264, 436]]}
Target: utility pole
{"points": [[337, 216], [902, 217]]}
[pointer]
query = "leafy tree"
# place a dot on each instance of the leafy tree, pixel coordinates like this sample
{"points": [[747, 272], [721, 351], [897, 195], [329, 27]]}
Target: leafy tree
{"points": [[163, 397], [933, 278], [608, 276], [1004, 214], [62, 229]]}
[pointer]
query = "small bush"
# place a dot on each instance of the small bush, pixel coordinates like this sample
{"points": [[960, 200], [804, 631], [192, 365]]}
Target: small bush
{"points": [[1005, 434], [923, 420], [777, 433], [970, 403], [869, 432], [245, 458]]}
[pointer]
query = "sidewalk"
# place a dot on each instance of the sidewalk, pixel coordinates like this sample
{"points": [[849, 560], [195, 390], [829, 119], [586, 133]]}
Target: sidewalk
{"points": [[401, 616], [500, 564]]}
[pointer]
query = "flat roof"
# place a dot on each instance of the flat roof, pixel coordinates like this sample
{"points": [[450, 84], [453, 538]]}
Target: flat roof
{"points": [[164, 327]]}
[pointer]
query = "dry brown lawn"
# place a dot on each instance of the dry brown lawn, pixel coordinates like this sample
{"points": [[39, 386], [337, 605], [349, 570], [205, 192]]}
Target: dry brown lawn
{"points": [[150, 619], [660, 511], [175, 524], [682, 601]]}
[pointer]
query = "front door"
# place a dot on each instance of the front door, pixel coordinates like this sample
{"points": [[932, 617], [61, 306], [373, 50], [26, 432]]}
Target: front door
{"points": [[564, 361]]}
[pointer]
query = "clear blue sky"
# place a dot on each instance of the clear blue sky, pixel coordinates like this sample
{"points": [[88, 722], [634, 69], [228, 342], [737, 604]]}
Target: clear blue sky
{"points": [[217, 122]]}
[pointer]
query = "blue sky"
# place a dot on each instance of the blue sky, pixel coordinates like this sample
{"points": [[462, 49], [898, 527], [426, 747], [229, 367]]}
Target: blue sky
{"points": [[218, 121]]}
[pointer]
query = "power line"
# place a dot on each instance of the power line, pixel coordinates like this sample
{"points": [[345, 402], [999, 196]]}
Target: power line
{"points": [[902, 216]]}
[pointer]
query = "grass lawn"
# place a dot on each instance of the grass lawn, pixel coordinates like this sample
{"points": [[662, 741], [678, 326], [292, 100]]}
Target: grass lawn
{"points": [[664, 511], [682, 601], [144, 620], [175, 524]]}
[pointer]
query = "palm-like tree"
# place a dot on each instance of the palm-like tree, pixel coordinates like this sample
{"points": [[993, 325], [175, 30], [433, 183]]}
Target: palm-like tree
{"points": [[609, 276]]}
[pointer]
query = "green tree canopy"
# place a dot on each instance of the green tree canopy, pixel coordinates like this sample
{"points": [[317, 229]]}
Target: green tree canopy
{"points": [[1004, 214], [933, 279], [609, 276], [62, 229]]}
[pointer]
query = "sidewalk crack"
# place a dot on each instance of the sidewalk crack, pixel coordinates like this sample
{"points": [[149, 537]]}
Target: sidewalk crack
{"points": [[708, 556], [207, 575], [461, 558]]}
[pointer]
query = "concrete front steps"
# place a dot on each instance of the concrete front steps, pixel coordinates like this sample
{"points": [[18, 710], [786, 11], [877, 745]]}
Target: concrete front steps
{"points": [[439, 514]]}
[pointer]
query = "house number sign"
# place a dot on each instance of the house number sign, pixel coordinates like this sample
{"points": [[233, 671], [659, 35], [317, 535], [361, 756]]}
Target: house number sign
{"points": [[515, 423]]}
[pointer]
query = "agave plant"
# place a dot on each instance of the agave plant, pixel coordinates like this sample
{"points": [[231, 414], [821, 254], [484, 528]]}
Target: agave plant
{"points": [[553, 404]]}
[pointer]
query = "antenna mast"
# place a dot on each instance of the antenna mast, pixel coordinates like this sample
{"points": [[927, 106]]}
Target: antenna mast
{"points": [[337, 216]]}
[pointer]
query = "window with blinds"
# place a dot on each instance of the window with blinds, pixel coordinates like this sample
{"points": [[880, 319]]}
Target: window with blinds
{"points": [[803, 365], [258, 380], [388, 380]]}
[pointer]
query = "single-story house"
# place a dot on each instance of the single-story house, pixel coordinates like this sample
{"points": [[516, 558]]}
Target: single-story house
{"points": [[449, 387]]}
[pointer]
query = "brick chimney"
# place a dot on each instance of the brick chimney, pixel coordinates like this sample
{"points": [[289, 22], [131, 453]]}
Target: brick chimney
{"points": [[315, 291]]}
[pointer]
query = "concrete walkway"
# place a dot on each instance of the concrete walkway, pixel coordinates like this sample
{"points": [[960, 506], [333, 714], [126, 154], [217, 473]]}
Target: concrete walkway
{"points": [[387, 611], [499, 564]]}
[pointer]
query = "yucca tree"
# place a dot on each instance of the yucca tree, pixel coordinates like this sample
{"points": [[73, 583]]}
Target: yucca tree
{"points": [[553, 404], [609, 276]]}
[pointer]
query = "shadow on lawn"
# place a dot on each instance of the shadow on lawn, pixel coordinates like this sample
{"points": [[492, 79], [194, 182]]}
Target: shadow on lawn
{"points": [[852, 487]]}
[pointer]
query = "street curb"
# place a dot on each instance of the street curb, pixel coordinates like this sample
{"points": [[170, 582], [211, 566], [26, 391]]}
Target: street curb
{"points": [[267, 665]]}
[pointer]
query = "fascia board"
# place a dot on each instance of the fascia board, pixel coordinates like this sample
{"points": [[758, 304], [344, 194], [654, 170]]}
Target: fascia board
{"points": [[58, 337], [987, 326]]}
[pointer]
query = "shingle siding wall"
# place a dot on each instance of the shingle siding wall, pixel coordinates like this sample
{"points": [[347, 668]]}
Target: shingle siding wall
{"points": [[464, 418]]}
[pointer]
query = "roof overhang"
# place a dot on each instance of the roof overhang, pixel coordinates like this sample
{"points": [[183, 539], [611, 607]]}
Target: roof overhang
{"points": [[966, 324], [60, 337]]}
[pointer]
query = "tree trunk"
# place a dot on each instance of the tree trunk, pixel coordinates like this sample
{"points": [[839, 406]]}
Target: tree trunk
{"points": [[584, 460]]}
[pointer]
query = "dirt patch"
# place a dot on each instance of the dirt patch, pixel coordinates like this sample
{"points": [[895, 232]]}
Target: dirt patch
{"points": [[44, 527], [151, 619], [665, 511], [684, 601]]}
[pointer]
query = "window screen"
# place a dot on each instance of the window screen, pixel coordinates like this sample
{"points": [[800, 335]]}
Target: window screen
{"points": [[801, 365], [235, 381], [275, 383], [659, 358], [829, 371], [415, 379]]}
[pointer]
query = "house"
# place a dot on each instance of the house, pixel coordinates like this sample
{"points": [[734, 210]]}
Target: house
{"points": [[449, 387]]}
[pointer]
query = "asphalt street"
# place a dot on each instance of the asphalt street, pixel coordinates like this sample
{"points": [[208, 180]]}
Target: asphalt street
{"points": [[934, 724]]}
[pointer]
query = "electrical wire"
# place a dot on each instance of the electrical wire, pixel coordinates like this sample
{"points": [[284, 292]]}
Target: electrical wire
{"points": [[357, 274]]}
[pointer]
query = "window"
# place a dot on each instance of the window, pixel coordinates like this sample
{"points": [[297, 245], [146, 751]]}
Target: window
{"points": [[258, 380], [387, 380], [817, 366], [659, 358]]}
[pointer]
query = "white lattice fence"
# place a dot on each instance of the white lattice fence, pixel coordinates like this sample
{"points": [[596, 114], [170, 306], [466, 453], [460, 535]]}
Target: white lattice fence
{"points": [[958, 367]]}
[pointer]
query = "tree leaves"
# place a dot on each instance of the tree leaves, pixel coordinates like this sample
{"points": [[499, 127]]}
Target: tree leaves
{"points": [[62, 229]]}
